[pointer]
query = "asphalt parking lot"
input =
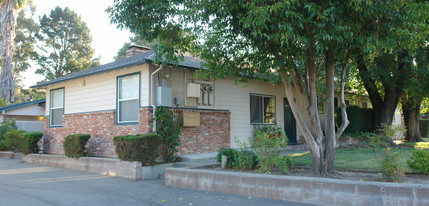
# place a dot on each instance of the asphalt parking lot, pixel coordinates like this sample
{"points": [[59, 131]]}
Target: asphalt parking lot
{"points": [[30, 184]]}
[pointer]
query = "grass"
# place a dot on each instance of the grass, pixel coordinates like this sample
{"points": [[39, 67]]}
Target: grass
{"points": [[356, 158], [418, 145]]}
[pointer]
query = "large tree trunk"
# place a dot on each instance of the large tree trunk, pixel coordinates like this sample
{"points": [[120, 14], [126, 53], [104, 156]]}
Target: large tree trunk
{"points": [[330, 137], [411, 114], [383, 107], [8, 22]]}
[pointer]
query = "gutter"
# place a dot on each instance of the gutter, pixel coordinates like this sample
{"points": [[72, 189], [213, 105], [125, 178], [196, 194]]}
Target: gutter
{"points": [[152, 98]]}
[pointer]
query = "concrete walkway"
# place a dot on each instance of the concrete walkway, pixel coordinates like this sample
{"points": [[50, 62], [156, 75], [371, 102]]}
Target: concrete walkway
{"points": [[30, 184]]}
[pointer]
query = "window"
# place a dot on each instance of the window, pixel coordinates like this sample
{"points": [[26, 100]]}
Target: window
{"points": [[262, 109], [128, 98], [56, 107]]}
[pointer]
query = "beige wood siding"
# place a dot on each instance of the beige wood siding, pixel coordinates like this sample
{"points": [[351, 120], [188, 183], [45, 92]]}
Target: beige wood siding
{"points": [[30, 110], [97, 92]]}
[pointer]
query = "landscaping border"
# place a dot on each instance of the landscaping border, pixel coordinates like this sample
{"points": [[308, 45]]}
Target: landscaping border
{"points": [[311, 190], [10, 155], [104, 166]]}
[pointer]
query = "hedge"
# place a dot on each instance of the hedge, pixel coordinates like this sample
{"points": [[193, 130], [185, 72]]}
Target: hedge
{"points": [[74, 145], [28, 143], [360, 119], [142, 147], [12, 139]]}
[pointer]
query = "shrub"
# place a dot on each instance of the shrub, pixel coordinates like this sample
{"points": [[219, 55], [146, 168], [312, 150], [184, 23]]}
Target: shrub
{"points": [[169, 130], [360, 119], [390, 167], [12, 139], [28, 144], [284, 164], [267, 147], [74, 145], [419, 161], [6, 126], [245, 159], [3, 145], [143, 148], [230, 153]]}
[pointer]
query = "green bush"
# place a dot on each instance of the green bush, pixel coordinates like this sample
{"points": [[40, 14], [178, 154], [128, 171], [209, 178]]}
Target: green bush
{"points": [[143, 148], [230, 153], [28, 144], [419, 161], [13, 138], [3, 145], [6, 126], [245, 159], [284, 164], [169, 130], [266, 146], [360, 119], [390, 167], [74, 145]]}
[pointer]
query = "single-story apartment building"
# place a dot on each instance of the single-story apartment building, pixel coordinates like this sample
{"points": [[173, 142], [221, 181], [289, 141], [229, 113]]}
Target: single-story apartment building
{"points": [[29, 116], [118, 98]]}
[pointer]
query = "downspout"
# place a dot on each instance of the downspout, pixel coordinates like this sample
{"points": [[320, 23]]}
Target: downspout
{"points": [[152, 90]]}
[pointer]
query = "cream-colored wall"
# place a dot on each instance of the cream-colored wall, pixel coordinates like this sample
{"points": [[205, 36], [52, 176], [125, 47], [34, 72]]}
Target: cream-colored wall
{"points": [[97, 92], [30, 110]]}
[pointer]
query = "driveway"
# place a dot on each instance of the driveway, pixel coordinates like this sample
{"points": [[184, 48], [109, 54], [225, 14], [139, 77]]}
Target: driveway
{"points": [[30, 184]]}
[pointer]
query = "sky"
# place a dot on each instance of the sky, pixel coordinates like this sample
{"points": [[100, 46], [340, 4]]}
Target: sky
{"points": [[106, 38]]}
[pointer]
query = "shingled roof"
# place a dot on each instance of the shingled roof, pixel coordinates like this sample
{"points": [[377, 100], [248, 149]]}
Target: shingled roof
{"points": [[146, 57], [15, 106]]}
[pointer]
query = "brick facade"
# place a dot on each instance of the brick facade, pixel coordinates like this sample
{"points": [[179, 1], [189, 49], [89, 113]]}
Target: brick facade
{"points": [[213, 132]]}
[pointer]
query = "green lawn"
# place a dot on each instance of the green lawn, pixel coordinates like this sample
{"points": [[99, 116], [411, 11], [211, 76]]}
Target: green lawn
{"points": [[418, 145], [356, 158]]}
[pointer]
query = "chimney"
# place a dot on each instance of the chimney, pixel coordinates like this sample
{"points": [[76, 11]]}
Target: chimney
{"points": [[134, 49]]}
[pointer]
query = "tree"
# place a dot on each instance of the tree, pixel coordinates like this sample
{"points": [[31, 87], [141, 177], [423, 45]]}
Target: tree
{"points": [[415, 93], [9, 12], [291, 42], [66, 44], [392, 34], [136, 40], [25, 41]]}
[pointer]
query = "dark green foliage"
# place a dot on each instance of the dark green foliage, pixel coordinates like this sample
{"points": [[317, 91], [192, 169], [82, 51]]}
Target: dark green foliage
{"points": [[419, 161], [74, 145], [13, 138], [245, 159], [230, 153], [390, 167], [6, 126], [360, 119], [284, 164], [66, 40], [28, 143], [3, 145], [143, 147], [169, 130]]}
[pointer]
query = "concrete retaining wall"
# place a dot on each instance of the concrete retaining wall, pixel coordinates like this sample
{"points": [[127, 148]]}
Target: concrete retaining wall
{"points": [[10, 155], [311, 190], [105, 166], [154, 172]]}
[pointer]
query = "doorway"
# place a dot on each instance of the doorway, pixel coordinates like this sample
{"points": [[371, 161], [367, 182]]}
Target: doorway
{"points": [[289, 123]]}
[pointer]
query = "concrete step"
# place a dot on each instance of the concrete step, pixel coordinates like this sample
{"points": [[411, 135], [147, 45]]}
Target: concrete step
{"points": [[195, 157]]}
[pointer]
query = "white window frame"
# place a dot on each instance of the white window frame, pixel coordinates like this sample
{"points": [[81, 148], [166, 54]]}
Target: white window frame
{"points": [[51, 108], [118, 100], [262, 109]]}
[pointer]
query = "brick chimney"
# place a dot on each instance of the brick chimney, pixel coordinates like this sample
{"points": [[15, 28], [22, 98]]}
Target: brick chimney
{"points": [[134, 49]]}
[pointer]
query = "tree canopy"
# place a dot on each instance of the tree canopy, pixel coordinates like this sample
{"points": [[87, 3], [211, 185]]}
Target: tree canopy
{"points": [[66, 44], [293, 42]]}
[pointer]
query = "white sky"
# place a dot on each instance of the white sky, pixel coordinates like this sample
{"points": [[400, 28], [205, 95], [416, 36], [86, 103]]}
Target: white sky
{"points": [[106, 38]]}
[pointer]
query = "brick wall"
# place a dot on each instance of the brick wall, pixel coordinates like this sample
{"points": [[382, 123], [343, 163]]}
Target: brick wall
{"points": [[213, 132]]}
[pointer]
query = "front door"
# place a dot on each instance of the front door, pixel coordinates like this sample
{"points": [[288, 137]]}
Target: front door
{"points": [[290, 123]]}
